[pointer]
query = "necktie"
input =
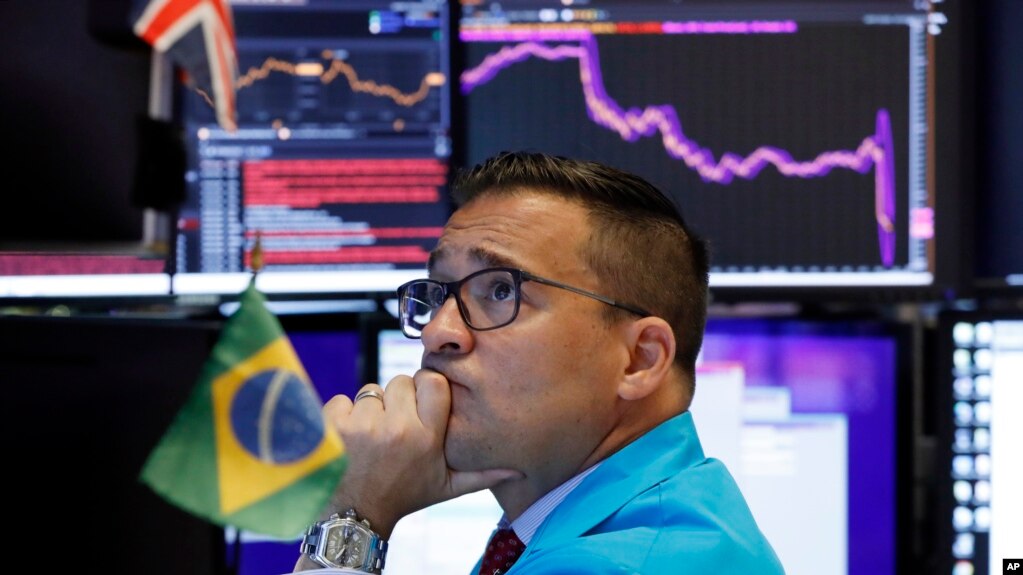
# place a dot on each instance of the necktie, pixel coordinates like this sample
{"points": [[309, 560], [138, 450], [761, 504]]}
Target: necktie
{"points": [[502, 552]]}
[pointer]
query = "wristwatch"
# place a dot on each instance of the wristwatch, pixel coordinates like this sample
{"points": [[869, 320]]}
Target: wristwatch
{"points": [[345, 541]]}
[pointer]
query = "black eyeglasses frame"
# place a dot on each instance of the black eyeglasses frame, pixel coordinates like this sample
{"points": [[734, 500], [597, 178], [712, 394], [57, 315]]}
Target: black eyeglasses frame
{"points": [[453, 288]]}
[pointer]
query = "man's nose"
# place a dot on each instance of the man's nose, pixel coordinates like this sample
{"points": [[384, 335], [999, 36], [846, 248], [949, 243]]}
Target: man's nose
{"points": [[447, 330]]}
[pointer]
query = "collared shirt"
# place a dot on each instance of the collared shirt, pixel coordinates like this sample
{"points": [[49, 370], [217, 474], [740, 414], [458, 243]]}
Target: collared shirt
{"points": [[527, 523]]}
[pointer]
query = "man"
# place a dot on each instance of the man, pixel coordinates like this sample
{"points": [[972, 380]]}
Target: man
{"points": [[561, 323]]}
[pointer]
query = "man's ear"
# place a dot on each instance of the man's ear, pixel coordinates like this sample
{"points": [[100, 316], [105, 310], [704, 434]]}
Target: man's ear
{"points": [[652, 354]]}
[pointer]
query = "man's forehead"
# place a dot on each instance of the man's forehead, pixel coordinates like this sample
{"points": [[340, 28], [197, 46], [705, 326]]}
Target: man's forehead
{"points": [[477, 256], [515, 231], [482, 231]]}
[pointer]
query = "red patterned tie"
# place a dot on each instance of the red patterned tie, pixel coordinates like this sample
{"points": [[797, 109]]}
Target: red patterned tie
{"points": [[502, 552]]}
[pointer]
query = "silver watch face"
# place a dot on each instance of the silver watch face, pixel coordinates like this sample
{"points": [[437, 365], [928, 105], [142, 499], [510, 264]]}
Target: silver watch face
{"points": [[347, 545]]}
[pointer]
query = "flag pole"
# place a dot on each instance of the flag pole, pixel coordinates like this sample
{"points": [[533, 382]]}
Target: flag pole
{"points": [[256, 261], [156, 224]]}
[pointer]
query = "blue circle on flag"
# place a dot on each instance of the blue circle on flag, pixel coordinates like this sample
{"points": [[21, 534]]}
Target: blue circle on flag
{"points": [[277, 417]]}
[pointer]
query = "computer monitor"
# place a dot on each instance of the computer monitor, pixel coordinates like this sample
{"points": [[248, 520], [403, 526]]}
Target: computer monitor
{"points": [[802, 138], [979, 370], [340, 162], [813, 420]]}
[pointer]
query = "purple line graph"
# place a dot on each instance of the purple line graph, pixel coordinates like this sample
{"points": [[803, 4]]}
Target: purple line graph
{"points": [[874, 151]]}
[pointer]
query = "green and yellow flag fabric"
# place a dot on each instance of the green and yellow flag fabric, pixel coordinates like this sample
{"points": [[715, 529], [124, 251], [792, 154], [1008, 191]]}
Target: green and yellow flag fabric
{"points": [[250, 448]]}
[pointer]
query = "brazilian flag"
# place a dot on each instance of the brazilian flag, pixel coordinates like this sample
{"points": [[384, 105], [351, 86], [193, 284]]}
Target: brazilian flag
{"points": [[250, 448]]}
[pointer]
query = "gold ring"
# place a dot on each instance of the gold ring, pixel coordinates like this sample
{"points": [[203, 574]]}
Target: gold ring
{"points": [[369, 393]]}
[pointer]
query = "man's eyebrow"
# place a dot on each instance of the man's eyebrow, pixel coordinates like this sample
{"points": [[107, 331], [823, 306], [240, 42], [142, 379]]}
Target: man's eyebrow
{"points": [[485, 258], [489, 259]]}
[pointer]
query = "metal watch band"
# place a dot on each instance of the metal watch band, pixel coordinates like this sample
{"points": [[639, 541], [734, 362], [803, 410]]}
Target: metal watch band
{"points": [[376, 553], [310, 538]]}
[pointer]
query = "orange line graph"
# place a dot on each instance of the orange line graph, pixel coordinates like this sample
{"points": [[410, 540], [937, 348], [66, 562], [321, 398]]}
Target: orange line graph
{"points": [[338, 68]]}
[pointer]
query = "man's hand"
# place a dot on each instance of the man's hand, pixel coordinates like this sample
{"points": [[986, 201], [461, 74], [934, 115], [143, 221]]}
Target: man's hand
{"points": [[395, 448]]}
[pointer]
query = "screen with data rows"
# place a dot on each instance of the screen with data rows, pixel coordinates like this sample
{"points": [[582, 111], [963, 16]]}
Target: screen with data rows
{"points": [[340, 161]]}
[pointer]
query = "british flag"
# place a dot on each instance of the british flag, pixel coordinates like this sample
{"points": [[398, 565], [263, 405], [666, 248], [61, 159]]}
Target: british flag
{"points": [[198, 36]]}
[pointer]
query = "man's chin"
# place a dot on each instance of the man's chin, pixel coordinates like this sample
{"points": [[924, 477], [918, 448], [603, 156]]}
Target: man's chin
{"points": [[458, 460], [461, 455]]}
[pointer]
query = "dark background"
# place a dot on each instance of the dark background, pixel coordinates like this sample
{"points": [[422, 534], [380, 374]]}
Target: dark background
{"points": [[70, 92]]}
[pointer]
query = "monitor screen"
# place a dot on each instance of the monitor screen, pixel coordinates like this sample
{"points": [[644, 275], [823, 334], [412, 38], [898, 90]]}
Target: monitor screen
{"points": [[81, 272], [340, 161], [809, 416], [979, 368], [797, 136], [806, 415]]}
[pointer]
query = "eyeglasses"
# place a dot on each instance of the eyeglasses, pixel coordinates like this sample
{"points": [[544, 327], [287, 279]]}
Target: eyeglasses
{"points": [[487, 299]]}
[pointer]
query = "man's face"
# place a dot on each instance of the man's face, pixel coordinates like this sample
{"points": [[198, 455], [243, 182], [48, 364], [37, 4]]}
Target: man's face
{"points": [[537, 395]]}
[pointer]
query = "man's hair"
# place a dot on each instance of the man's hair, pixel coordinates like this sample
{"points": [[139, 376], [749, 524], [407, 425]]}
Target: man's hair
{"points": [[643, 252]]}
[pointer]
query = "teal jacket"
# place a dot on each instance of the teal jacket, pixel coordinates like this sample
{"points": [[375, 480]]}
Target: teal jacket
{"points": [[657, 506]]}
